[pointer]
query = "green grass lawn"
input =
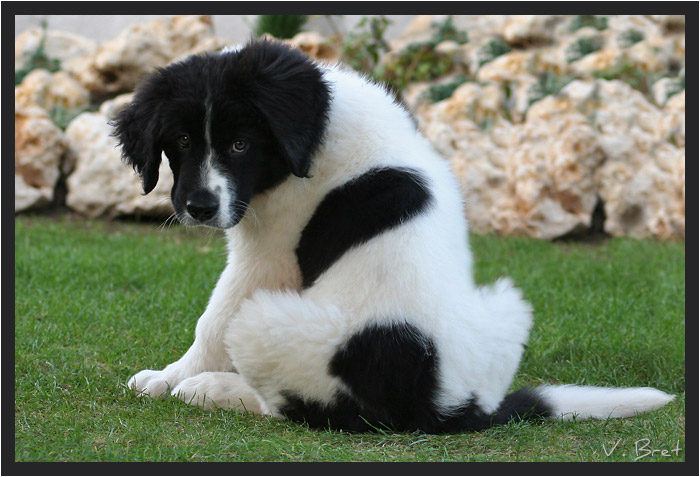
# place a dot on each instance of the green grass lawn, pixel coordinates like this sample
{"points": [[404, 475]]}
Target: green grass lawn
{"points": [[96, 302]]}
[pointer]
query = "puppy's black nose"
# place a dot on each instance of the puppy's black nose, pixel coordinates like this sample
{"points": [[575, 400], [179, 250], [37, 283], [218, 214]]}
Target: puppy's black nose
{"points": [[202, 205]]}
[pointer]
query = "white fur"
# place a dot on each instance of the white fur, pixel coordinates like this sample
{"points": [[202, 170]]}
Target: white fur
{"points": [[591, 402], [223, 188], [261, 324], [223, 390]]}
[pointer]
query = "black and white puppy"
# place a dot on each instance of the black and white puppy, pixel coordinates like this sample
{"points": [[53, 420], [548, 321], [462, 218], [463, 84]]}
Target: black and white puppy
{"points": [[347, 299]]}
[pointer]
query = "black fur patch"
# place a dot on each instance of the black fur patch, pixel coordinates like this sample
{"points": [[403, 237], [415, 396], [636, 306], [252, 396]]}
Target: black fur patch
{"points": [[357, 211], [391, 372], [523, 404]]}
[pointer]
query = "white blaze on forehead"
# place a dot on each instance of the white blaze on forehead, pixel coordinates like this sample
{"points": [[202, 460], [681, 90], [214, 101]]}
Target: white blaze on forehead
{"points": [[212, 178], [207, 126]]}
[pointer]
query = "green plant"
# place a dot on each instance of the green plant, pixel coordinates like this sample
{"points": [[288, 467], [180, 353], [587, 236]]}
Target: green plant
{"points": [[491, 50], [446, 31], [443, 91], [629, 37], [595, 21], [486, 124], [279, 26], [582, 47], [547, 84], [624, 71], [363, 49], [421, 61], [62, 116], [417, 62], [38, 59], [366, 50], [677, 86]]}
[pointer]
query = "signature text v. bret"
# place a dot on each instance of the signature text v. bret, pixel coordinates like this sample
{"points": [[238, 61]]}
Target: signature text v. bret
{"points": [[643, 448]]}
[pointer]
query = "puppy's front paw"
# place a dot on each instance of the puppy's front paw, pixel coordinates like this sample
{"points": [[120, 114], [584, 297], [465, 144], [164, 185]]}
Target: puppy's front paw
{"points": [[194, 391], [218, 390], [152, 383]]}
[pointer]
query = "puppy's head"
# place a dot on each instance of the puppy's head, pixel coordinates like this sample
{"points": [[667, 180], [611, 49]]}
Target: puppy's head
{"points": [[231, 125]]}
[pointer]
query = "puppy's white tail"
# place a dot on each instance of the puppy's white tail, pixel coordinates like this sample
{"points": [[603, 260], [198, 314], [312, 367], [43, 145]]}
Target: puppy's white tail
{"points": [[590, 402]]}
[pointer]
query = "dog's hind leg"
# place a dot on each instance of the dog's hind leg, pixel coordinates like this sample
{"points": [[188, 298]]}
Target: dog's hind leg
{"points": [[317, 363], [282, 344], [223, 390]]}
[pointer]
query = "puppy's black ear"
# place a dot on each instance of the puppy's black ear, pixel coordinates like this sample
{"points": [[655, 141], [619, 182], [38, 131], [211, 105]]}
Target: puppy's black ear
{"points": [[136, 128], [289, 90]]}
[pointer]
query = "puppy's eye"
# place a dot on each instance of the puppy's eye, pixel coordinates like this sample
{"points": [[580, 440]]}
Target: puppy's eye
{"points": [[239, 145], [183, 141]]}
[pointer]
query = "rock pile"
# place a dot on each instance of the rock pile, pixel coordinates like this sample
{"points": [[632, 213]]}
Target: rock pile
{"points": [[98, 183], [538, 137], [546, 120]]}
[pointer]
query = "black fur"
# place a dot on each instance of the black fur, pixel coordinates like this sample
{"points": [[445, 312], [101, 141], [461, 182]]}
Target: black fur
{"points": [[267, 94], [523, 404], [391, 372], [288, 88], [357, 211]]}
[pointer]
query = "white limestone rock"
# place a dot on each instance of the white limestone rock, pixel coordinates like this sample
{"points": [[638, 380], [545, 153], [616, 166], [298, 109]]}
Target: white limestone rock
{"points": [[316, 47], [101, 185], [531, 29], [39, 146], [60, 45], [49, 90], [121, 63]]}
